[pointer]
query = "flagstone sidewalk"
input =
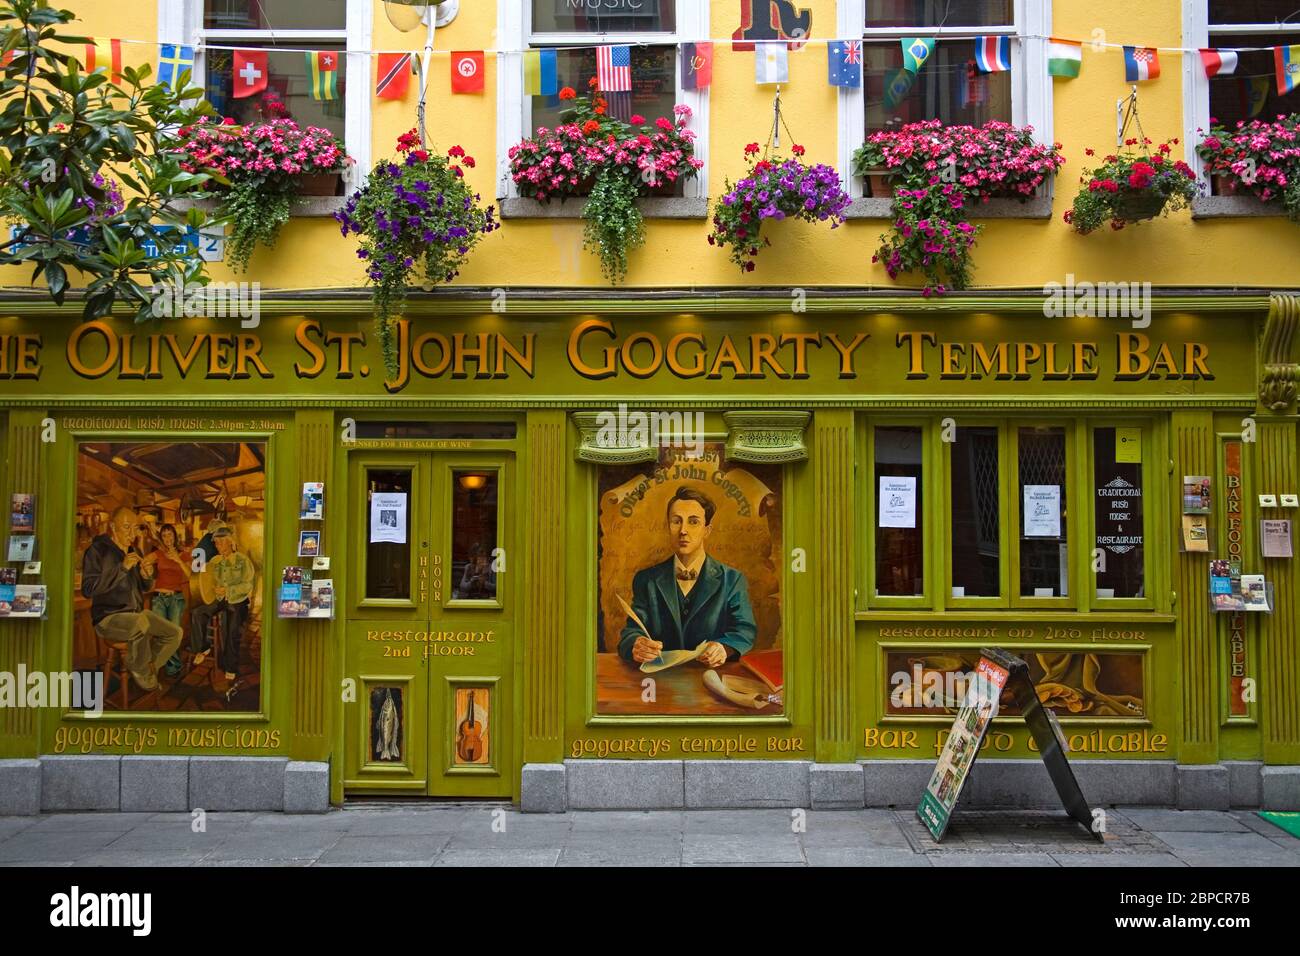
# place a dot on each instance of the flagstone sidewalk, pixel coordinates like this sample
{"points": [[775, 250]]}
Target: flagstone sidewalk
{"points": [[496, 835]]}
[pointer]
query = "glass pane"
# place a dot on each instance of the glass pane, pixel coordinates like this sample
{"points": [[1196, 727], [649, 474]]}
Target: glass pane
{"points": [[1255, 11], [654, 85], [1251, 92], [473, 535], [275, 14], [604, 16], [940, 13], [1044, 561], [288, 93], [976, 521], [899, 538], [944, 89], [1118, 515], [388, 534]]}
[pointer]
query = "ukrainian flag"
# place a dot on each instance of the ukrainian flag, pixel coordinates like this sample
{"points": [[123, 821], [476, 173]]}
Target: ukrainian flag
{"points": [[323, 74]]}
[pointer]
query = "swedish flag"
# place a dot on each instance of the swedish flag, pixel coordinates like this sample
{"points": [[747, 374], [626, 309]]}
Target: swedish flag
{"points": [[323, 74], [916, 50]]}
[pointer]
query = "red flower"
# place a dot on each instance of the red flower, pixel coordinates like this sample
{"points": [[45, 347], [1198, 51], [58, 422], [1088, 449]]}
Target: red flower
{"points": [[408, 141], [455, 152], [591, 83], [751, 149], [797, 149], [420, 155], [590, 127], [567, 93], [637, 119], [468, 161]]}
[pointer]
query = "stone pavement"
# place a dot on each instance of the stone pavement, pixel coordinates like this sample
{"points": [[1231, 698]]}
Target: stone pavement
{"points": [[491, 835]]}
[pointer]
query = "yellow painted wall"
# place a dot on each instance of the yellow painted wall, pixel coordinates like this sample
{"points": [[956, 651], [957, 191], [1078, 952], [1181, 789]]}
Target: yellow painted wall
{"points": [[1173, 252]]}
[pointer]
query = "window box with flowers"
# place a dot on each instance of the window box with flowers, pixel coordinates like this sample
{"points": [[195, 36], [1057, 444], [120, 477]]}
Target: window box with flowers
{"points": [[1255, 168], [260, 171], [611, 165], [942, 177]]}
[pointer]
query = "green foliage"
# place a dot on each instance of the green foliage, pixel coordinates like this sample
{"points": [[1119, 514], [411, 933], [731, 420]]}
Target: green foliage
{"points": [[614, 224], [84, 169], [256, 214]]}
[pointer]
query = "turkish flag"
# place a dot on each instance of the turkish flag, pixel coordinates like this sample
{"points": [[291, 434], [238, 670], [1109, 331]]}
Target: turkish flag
{"points": [[251, 73], [467, 71]]}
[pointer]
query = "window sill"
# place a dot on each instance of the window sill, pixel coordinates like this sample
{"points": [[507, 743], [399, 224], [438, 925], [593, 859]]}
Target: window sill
{"points": [[1234, 207], [1037, 208], [994, 615], [655, 207], [304, 207]]}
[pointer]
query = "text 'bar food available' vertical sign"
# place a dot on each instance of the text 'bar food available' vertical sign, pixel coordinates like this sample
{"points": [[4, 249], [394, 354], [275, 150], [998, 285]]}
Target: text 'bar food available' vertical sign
{"points": [[977, 711]]}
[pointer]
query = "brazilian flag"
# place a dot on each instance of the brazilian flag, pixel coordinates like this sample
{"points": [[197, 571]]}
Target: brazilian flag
{"points": [[916, 50], [323, 74]]}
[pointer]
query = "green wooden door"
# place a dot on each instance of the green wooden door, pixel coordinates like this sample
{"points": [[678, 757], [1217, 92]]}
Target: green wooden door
{"points": [[430, 621]]}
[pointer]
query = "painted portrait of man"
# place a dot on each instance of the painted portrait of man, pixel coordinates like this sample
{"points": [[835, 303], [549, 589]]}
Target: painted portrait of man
{"points": [[691, 599]]}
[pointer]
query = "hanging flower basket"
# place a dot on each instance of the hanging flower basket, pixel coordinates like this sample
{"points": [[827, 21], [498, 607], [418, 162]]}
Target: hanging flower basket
{"points": [[612, 164], [937, 175], [774, 188], [416, 217], [1260, 158], [1132, 186]]}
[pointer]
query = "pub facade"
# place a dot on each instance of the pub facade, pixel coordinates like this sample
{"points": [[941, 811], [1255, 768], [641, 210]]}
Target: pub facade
{"points": [[687, 542]]}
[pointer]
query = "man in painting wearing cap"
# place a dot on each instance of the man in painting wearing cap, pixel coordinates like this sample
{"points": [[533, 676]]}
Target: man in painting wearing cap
{"points": [[232, 577], [115, 575], [692, 598]]}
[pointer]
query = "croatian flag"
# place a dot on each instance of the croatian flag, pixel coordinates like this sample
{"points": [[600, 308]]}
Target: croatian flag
{"points": [[844, 63], [1219, 62], [993, 54], [1140, 63], [613, 69]]}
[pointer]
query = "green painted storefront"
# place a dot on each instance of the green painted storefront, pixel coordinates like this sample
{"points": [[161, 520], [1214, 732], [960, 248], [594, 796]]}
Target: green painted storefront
{"points": [[803, 413]]}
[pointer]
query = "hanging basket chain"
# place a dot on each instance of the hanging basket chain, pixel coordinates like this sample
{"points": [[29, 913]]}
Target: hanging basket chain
{"points": [[1130, 106], [778, 124]]}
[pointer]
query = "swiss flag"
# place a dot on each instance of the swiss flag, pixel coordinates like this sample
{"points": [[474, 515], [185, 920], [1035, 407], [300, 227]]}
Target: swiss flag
{"points": [[251, 73], [467, 71]]}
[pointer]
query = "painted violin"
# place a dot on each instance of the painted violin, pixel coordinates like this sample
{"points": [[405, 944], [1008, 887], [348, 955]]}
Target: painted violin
{"points": [[469, 736]]}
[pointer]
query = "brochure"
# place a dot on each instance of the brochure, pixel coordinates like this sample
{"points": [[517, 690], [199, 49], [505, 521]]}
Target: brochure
{"points": [[1254, 592], [1196, 533], [322, 598], [1196, 495], [1275, 538], [22, 514], [313, 501]]}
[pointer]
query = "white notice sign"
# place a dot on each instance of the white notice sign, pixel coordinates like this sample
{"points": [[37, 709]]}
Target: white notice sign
{"points": [[898, 502], [1042, 511], [388, 517]]}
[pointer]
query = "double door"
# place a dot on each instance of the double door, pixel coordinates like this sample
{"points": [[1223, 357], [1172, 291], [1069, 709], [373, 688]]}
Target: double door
{"points": [[430, 624]]}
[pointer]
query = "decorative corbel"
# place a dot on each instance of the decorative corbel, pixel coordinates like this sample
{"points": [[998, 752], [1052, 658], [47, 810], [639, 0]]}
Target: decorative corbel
{"points": [[1280, 373]]}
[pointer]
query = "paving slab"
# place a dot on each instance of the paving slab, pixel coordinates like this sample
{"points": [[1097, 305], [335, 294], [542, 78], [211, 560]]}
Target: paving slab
{"points": [[991, 859], [1107, 860], [1222, 849], [513, 857], [69, 822], [113, 856], [356, 850], [263, 845], [702, 848], [862, 856], [1205, 821], [55, 846]]}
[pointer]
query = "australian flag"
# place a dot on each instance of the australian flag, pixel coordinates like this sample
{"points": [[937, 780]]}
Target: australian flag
{"points": [[844, 63]]}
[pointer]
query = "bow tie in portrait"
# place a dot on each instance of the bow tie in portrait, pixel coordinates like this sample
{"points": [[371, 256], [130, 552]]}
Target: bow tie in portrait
{"points": [[685, 575]]}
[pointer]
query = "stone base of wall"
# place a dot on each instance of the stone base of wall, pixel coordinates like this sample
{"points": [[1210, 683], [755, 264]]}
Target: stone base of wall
{"points": [[162, 783], [1023, 784]]}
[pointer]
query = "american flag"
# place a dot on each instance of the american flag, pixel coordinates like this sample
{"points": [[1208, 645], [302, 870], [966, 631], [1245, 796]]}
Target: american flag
{"points": [[613, 69]]}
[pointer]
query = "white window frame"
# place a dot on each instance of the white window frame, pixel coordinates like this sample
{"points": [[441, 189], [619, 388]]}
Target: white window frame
{"points": [[514, 110], [1196, 85], [1031, 90], [181, 21]]}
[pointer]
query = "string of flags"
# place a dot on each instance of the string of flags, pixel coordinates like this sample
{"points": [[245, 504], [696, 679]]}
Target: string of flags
{"points": [[844, 60]]}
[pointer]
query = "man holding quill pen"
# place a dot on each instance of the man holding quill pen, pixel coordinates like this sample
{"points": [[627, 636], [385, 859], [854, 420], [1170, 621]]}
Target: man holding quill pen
{"points": [[691, 600]]}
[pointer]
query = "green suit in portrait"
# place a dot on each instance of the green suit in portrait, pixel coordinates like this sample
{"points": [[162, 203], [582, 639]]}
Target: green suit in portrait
{"points": [[719, 609]]}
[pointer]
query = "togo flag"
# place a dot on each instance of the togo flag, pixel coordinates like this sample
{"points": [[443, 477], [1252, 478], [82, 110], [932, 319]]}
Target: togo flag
{"points": [[1219, 62], [323, 74], [1287, 61], [916, 50], [1064, 57], [1140, 63]]}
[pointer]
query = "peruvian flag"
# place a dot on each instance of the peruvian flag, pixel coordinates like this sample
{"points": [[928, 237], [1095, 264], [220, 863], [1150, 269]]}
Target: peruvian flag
{"points": [[1219, 62], [251, 73]]}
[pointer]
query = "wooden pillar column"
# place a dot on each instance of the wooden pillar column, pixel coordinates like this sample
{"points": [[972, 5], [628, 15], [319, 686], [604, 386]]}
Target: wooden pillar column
{"points": [[316, 694], [832, 570], [1279, 635], [543, 628]]}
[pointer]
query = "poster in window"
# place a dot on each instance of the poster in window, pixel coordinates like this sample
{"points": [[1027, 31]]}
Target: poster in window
{"points": [[897, 501], [689, 564], [388, 517], [185, 640], [1042, 511]]}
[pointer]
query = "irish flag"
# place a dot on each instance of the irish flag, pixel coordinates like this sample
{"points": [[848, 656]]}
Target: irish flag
{"points": [[1219, 62], [1064, 57]]}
